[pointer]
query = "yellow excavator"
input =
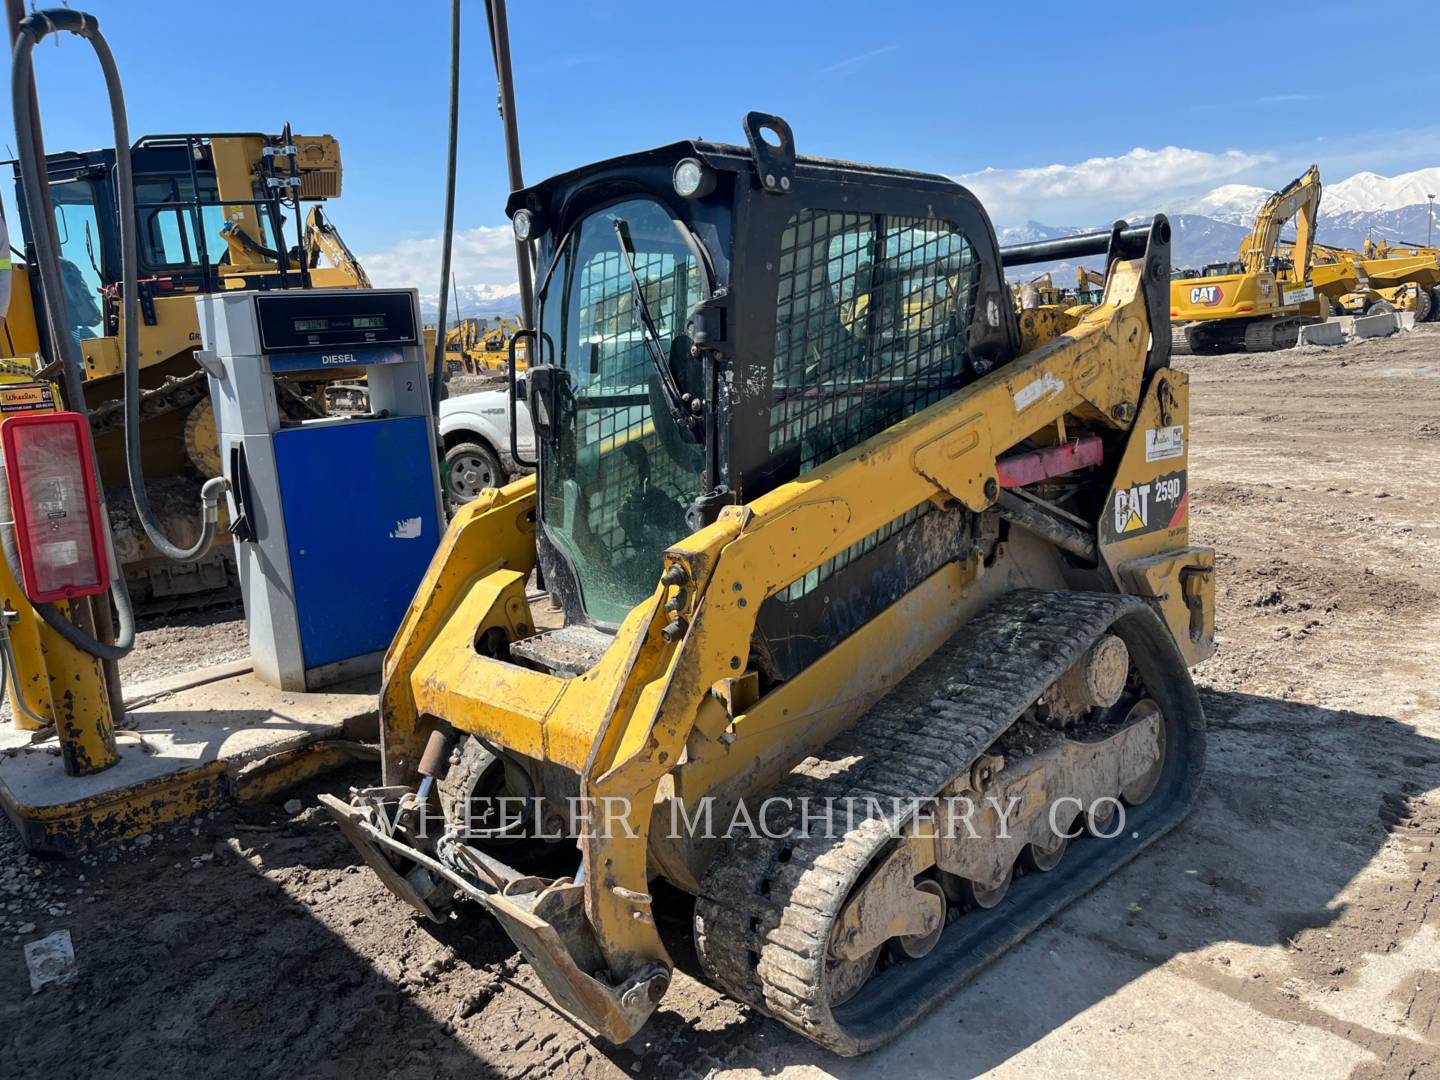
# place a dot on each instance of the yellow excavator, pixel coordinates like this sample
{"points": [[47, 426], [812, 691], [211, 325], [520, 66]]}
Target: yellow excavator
{"points": [[1253, 304], [1089, 285], [828, 588], [214, 212]]}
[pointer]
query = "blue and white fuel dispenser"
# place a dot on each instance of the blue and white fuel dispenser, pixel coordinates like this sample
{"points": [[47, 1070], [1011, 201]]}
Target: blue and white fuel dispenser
{"points": [[335, 519]]}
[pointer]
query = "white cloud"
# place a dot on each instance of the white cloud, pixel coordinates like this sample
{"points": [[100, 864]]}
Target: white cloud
{"points": [[1088, 189], [482, 260]]}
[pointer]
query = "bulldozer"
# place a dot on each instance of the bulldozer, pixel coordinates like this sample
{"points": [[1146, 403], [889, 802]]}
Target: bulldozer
{"points": [[212, 212], [816, 582], [1254, 303]]}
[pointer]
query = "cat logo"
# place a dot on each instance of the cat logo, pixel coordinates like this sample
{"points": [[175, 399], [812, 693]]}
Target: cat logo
{"points": [[1132, 509], [1206, 295]]}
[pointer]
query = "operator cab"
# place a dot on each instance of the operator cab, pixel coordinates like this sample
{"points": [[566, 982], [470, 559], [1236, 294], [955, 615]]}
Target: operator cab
{"points": [[1223, 269], [659, 395], [180, 222]]}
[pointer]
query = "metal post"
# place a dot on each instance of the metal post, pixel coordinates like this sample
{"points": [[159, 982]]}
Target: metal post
{"points": [[500, 46], [94, 617], [437, 373]]}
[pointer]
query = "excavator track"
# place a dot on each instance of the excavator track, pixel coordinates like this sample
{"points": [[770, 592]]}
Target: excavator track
{"points": [[1268, 335], [768, 908]]}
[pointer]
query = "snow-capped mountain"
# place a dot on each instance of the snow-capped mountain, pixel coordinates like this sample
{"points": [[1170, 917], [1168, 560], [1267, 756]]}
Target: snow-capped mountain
{"points": [[1369, 192], [1234, 204], [1032, 231], [1208, 229], [483, 301]]}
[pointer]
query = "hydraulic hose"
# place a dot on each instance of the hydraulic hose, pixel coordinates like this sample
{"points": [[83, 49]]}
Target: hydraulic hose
{"points": [[32, 31], [27, 33]]}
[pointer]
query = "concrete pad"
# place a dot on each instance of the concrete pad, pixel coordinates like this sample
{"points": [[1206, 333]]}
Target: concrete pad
{"points": [[1345, 322], [1373, 326], [209, 727], [1325, 333]]}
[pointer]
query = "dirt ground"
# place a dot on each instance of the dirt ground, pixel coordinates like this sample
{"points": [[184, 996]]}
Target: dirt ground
{"points": [[1289, 928]]}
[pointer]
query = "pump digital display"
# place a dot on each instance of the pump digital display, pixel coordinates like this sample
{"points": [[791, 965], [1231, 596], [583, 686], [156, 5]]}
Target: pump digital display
{"points": [[335, 319], [354, 322]]}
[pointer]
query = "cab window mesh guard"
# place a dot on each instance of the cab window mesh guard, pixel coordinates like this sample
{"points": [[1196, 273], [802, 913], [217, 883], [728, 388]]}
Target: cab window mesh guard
{"points": [[870, 327]]}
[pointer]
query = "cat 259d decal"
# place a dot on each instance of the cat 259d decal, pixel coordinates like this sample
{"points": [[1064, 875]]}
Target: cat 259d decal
{"points": [[1144, 508]]}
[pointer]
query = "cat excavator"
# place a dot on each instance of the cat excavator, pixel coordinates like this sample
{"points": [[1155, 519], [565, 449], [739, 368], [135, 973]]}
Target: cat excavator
{"points": [[1254, 303], [832, 556]]}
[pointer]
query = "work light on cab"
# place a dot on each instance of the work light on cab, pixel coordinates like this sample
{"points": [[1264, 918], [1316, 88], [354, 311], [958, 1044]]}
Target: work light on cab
{"points": [[692, 179]]}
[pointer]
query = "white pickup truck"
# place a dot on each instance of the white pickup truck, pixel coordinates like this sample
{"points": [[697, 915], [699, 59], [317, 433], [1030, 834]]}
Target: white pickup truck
{"points": [[475, 432]]}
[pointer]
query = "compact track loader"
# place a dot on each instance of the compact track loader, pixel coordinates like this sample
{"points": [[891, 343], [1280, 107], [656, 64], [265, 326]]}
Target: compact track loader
{"points": [[837, 562]]}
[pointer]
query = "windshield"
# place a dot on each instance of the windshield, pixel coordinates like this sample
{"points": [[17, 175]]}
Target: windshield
{"points": [[167, 209], [77, 226], [619, 473]]}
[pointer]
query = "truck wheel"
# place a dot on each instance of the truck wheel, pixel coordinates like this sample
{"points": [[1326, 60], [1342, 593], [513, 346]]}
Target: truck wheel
{"points": [[470, 469], [1380, 307]]}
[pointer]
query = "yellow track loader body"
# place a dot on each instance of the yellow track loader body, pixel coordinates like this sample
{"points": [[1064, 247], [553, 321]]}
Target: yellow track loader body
{"points": [[828, 542]]}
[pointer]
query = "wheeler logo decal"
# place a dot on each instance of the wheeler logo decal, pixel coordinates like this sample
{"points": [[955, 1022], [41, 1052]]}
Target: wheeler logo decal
{"points": [[1145, 508], [1206, 295]]}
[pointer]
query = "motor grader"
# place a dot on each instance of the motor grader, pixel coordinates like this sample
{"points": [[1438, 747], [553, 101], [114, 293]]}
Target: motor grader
{"points": [[829, 556]]}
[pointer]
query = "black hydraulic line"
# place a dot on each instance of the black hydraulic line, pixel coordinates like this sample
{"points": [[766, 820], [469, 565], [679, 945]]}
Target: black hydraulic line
{"points": [[437, 376], [1045, 525], [295, 185], [504, 76], [30, 32], [104, 621]]}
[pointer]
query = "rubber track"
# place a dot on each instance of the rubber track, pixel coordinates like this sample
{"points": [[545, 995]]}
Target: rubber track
{"points": [[766, 907]]}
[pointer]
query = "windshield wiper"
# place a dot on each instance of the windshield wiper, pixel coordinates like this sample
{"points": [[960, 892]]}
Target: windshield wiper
{"points": [[678, 403]]}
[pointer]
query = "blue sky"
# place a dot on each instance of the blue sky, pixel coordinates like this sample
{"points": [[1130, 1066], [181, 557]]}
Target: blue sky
{"points": [[1075, 114]]}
